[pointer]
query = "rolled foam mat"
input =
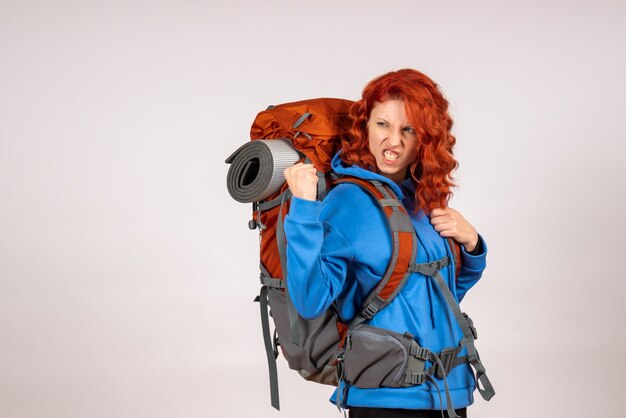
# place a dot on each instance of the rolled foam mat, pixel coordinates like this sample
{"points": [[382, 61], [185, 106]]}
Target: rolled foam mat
{"points": [[256, 169]]}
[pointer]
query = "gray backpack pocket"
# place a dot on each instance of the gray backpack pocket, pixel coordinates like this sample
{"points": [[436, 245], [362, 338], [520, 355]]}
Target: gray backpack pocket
{"points": [[313, 358], [375, 357]]}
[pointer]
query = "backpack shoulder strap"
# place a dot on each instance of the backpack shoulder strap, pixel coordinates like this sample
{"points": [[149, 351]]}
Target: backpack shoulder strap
{"points": [[404, 244]]}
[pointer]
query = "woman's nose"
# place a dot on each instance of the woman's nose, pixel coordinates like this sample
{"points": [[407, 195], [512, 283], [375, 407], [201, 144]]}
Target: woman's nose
{"points": [[395, 137]]}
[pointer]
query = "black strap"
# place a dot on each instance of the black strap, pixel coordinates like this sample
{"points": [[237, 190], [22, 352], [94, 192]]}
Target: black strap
{"points": [[272, 282], [263, 206], [269, 347], [321, 186], [282, 253]]}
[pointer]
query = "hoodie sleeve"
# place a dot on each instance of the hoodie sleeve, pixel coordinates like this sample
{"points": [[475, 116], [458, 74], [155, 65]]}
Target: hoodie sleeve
{"points": [[472, 265], [317, 258]]}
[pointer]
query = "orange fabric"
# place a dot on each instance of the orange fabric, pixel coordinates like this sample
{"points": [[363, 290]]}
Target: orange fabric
{"points": [[402, 265], [342, 329], [269, 244], [455, 247], [328, 121]]}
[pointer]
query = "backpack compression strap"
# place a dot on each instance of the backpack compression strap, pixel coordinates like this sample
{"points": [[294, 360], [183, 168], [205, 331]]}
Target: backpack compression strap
{"points": [[271, 349], [404, 247], [267, 282]]}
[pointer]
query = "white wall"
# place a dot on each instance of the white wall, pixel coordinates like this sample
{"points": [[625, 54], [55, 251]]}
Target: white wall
{"points": [[127, 272]]}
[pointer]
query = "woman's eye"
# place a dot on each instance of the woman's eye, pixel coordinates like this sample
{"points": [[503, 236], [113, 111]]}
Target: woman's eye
{"points": [[381, 124], [409, 130]]}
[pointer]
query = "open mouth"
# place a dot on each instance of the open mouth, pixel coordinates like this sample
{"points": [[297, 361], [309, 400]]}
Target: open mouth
{"points": [[390, 156]]}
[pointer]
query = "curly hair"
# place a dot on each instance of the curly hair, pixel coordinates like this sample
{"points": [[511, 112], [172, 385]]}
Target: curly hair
{"points": [[427, 111]]}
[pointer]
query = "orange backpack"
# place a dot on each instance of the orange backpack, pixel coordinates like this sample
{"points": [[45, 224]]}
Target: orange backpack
{"points": [[312, 130]]}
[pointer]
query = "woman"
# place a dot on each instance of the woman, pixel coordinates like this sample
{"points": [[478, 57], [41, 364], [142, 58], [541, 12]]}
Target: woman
{"points": [[338, 249]]}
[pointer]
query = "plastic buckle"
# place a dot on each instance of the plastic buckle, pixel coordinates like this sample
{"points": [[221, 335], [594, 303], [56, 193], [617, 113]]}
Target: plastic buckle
{"points": [[419, 352], [369, 311], [414, 378], [436, 265], [447, 357], [443, 262]]}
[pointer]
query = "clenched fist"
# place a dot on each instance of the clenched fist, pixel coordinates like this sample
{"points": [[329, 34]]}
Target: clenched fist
{"points": [[302, 180], [450, 223]]}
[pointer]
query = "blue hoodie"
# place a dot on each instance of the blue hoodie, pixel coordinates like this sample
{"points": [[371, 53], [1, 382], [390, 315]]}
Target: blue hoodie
{"points": [[338, 250]]}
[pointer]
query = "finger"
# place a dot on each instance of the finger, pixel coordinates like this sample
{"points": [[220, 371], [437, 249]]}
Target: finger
{"points": [[439, 227], [308, 170], [435, 213], [455, 213], [441, 219], [440, 211], [448, 227], [293, 167], [304, 167]]}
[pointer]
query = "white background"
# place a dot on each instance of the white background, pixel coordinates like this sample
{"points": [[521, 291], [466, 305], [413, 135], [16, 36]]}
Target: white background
{"points": [[127, 272]]}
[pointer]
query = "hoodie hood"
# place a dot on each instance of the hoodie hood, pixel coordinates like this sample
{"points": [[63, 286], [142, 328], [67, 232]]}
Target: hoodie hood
{"points": [[354, 170]]}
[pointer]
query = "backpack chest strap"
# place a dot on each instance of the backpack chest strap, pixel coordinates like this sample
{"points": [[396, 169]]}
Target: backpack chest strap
{"points": [[429, 269]]}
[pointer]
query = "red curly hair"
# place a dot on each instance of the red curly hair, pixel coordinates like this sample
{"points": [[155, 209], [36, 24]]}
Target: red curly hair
{"points": [[427, 111]]}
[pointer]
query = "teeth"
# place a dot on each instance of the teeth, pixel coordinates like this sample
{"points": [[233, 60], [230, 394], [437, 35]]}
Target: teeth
{"points": [[390, 155]]}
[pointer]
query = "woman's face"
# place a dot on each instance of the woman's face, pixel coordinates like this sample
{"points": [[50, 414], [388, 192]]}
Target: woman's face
{"points": [[392, 139]]}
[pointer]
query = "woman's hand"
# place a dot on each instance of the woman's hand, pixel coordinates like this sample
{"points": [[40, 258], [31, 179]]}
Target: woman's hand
{"points": [[302, 180], [450, 223]]}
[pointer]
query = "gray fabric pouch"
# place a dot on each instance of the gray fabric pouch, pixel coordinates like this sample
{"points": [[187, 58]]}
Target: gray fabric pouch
{"points": [[375, 357], [313, 357]]}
